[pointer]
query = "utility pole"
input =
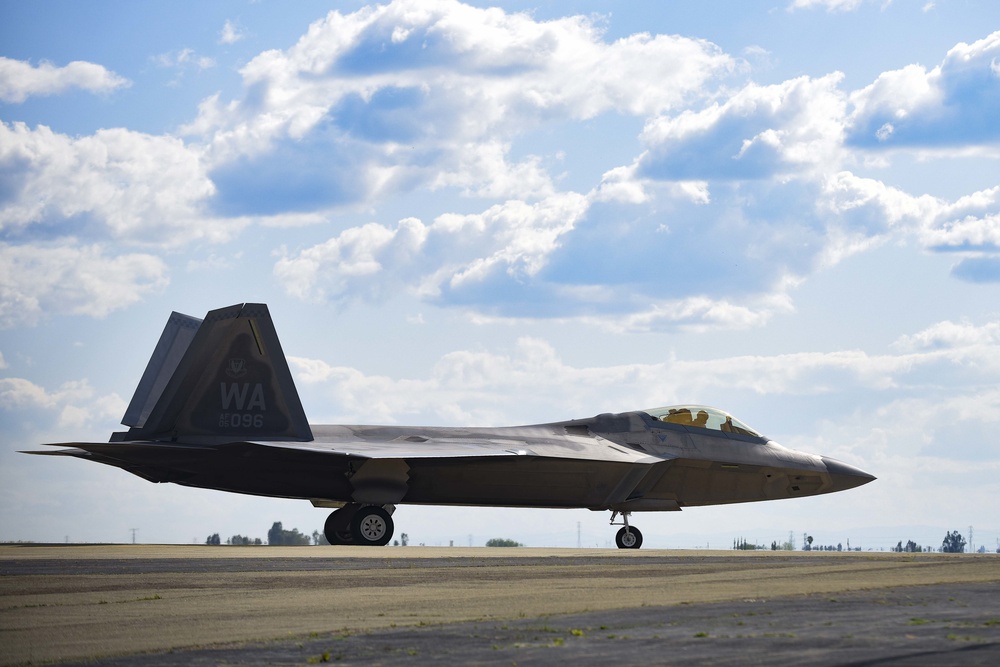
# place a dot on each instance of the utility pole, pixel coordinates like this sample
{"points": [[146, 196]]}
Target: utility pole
{"points": [[577, 534], [133, 534], [972, 549]]}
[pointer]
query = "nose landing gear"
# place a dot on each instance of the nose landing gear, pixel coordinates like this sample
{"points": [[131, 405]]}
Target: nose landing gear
{"points": [[628, 537]]}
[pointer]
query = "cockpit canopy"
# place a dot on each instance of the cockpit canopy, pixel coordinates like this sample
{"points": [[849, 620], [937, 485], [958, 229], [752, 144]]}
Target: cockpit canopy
{"points": [[701, 416]]}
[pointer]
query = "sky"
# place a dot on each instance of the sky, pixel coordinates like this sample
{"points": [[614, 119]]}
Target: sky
{"points": [[478, 214]]}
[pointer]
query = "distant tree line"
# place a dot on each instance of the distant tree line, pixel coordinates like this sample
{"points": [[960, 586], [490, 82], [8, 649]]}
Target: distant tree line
{"points": [[502, 542], [953, 543], [743, 545], [278, 536], [235, 540], [809, 546]]}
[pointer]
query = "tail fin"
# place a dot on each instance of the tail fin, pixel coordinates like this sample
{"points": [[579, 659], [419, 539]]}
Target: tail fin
{"points": [[170, 349], [222, 376]]}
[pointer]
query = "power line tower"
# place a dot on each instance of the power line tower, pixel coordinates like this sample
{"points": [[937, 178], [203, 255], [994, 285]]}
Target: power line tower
{"points": [[133, 534]]}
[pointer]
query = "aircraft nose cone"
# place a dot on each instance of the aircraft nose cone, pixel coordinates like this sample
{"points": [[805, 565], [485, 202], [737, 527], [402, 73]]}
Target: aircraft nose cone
{"points": [[845, 476]]}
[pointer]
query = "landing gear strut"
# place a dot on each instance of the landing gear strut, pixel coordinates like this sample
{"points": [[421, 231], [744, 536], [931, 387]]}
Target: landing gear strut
{"points": [[628, 537], [366, 525]]}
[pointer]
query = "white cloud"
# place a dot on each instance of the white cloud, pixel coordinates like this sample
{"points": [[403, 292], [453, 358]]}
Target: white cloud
{"points": [[464, 386], [350, 263], [951, 105], [433, 92], [620, 184], [230, 33], [970, 233], [846, 193], [699, 313], [454, 252], [435, 95], [184, 59], [19, 393], [969, 224], [829, 5], [139, 187], [76, 402], [488, 387], [787, 139], [72, 279], [483, 170], [20, 80], [951, 335], [759, 132]]}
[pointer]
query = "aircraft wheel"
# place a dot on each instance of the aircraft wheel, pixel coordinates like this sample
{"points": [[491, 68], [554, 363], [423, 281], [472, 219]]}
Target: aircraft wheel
{"points": [[372, 526], [337, 528], [629, 538]]}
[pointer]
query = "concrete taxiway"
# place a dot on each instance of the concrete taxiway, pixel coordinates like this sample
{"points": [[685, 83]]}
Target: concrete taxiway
{"points": [[259, 605]]}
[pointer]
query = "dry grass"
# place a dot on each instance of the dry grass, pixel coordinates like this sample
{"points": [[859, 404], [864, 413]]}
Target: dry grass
{"points": [[147, 604]]}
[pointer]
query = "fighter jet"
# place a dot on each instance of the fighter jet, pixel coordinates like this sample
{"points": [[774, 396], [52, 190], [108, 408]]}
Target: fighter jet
{"points": [[216, 408]]}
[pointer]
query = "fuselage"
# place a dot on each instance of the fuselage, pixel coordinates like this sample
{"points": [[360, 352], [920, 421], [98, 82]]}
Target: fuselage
{"points": [[626, 462]]}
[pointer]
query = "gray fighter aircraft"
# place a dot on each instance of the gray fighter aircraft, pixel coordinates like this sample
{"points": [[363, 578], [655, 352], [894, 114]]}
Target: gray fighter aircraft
{"points": [[216, 408]]}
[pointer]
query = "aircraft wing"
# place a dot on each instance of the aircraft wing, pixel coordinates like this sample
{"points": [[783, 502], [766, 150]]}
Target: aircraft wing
{"points": [[428, 448], [419, 448]]}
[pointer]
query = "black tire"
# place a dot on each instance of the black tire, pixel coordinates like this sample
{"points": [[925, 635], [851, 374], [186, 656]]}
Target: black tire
{"points": [[371, 526], [629, 538], [337, 528]]}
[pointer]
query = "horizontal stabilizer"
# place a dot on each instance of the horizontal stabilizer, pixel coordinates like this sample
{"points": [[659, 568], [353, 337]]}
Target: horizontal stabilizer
{"points": [[74, 451]]}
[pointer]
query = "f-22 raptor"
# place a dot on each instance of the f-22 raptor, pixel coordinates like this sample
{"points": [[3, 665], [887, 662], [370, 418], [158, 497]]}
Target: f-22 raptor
{"points": [[217, 408]]}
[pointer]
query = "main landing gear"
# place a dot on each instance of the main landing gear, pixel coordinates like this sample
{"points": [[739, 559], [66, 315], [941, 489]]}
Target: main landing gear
{"points": [[628, 537], [366, 525]]}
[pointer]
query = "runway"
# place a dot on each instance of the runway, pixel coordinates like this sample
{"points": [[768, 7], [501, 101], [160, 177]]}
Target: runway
{"points": [[159, 605]]}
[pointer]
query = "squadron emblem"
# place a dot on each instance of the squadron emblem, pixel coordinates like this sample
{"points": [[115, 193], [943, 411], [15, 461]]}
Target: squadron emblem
{"points": [[237, 368]]}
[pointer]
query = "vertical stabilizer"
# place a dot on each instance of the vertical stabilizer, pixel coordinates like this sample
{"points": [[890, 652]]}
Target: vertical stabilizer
{"points": [[170, 349], [231, 380]]}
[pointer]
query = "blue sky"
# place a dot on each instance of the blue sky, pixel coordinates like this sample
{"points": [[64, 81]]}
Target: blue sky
{"points": [[463, 214]]}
